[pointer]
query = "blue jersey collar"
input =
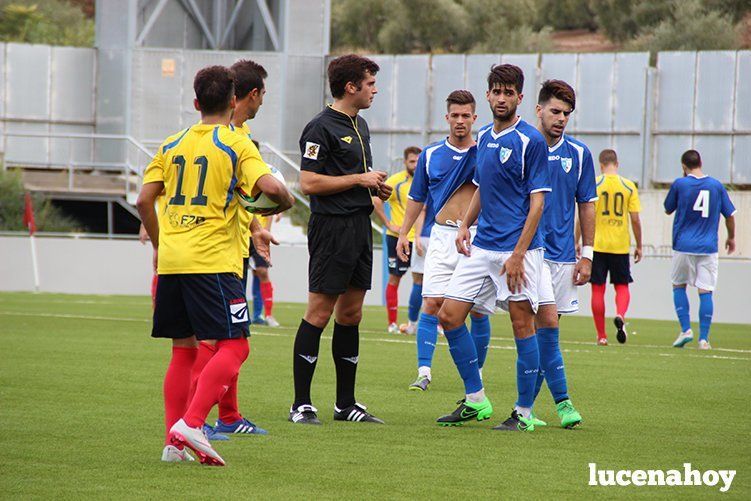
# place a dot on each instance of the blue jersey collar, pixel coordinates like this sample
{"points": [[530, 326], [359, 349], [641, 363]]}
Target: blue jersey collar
{"points": [[506, 130]]}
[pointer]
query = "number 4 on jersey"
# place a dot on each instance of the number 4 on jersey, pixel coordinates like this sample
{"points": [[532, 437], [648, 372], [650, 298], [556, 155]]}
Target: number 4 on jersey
{"points": [[702, 203]]}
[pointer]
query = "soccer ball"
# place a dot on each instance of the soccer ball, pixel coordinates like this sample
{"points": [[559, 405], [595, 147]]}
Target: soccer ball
{"points": [[261, 202]]}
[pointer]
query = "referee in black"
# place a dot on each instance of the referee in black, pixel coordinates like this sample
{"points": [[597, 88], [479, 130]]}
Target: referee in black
{"points": [[337, 175]]}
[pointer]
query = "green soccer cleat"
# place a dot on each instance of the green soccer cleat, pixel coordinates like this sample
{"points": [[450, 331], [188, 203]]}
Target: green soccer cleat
{"points": [[536, 421], [466, 412], [570, 418]]}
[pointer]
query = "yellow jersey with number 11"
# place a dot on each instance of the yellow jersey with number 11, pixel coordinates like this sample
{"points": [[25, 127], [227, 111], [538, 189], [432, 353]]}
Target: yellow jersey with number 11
{"points": [[198, 227]]}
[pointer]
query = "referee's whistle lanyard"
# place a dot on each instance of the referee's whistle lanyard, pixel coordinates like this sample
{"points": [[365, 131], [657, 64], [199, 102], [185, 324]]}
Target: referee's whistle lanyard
{"points": [[357, 131]]}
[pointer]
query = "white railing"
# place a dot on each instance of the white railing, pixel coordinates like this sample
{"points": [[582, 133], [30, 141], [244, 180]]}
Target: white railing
{"points": [[78, 151]]}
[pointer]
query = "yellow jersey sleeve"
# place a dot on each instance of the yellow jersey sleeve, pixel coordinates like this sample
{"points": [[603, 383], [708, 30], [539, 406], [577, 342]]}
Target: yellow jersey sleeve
{"points": [[250, 165], [401, 183], [244, 217], [154, 172], [634, 204]]}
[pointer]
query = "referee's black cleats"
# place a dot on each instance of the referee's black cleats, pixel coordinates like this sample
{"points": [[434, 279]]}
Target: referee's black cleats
{"points": [[621, 334], [304, 414], [355, 413]]}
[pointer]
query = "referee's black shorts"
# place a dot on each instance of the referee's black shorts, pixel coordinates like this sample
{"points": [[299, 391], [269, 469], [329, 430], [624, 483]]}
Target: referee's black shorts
{"points": [[341, 253], [618, 265]]}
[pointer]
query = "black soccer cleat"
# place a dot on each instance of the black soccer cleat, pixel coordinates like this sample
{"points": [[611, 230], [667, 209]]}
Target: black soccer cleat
{"points": [[304, 414], [466, 412], [355, 413], [621, 334], [515, 423]]}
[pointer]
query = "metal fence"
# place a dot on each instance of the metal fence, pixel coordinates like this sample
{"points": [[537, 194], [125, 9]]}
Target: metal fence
{"points": [[650, 115], [45, 91]]}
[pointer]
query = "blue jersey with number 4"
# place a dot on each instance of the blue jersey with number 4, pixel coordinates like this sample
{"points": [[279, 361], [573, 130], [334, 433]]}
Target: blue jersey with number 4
{"points": [[697, 203]]}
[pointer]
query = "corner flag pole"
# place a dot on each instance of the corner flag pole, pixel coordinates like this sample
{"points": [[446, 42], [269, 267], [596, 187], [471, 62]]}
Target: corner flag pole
{"points": [[28, 220]]}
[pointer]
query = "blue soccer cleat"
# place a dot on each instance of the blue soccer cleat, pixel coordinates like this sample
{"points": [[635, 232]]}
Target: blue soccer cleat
{"points": [[212, 434], [239, 427]]}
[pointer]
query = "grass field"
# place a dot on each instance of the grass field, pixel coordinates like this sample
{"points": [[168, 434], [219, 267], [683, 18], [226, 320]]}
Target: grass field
{"points": [[81, 413]]}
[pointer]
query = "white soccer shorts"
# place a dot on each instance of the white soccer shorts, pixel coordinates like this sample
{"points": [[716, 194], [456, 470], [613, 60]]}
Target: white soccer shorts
{"points": [[440, 260], [557, 286], [418, 261], [478, 280], [697, 270]]}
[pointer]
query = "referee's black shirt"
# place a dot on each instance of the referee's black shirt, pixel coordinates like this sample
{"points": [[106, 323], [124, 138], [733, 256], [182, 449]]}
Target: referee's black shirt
{"points": [[336, 144]]}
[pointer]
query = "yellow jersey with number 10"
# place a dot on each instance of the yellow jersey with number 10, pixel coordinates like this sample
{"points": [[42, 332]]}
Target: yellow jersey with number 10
{"points": [[617, 198], [198, 225]]}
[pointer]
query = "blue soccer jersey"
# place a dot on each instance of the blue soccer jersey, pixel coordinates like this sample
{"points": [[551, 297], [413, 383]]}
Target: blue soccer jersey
{"points": [[511, 165], [572, 177], [427, 226], [697, 203], [441, 170]]}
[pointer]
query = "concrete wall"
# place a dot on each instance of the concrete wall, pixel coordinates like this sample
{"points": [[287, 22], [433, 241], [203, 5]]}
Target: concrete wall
{"points": [[94, 266]]}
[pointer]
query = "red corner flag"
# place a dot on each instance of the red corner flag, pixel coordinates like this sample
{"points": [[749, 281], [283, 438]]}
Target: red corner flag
{"points": [[28, 214]]}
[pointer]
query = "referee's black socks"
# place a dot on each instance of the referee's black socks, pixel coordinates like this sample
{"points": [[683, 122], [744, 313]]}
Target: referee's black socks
{"points": [[345, 346], [307, 342]]}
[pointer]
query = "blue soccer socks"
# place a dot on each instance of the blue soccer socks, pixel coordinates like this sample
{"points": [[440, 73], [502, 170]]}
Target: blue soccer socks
{"points": [[680, 300], [427, 336], [706, 310], [257, 299], [527, 367], [551, 363], [415, 302], [463, 351], [480, 330]]}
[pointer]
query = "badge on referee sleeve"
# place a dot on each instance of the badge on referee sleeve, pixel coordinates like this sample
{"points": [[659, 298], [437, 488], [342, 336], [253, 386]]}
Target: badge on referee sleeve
{"points": [[311, 150]]}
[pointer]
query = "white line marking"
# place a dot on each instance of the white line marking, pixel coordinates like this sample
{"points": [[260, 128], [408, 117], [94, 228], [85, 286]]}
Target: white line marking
{"points": [[265, 333]]}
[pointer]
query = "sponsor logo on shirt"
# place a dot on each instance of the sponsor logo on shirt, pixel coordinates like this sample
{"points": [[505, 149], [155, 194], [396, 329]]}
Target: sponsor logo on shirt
{"points": [[457, 157], [493, 145], [347, 139], [311, 150], [505, 154], [185, 220]]}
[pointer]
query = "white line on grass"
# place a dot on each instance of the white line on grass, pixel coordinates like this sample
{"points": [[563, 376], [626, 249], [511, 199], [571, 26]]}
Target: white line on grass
{"points": [[721, 357], [381, 340]]}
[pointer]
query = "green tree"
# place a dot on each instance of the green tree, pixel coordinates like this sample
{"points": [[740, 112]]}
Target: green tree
{"points": [[622, 20], [46, 216], [425, 26], [355, 24], [565, 15], [506, 26], [53, 22], [691, 26]]}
